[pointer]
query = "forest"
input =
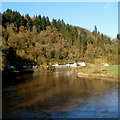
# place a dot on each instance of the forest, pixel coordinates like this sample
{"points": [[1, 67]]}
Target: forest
{"points": [[27, 40]]}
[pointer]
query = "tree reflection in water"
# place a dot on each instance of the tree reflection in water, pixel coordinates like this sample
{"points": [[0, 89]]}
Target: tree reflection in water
{"points": [[53, 92]]}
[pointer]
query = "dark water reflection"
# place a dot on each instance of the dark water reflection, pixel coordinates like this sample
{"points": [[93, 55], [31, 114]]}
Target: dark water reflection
{"points": [[60, 95]]}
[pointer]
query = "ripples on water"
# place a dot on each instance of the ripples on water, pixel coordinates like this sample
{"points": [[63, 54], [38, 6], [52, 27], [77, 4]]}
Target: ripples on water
{"points": [[60, 94]]}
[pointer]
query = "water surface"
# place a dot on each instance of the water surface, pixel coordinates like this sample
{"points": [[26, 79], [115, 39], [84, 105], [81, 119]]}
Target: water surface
{"points": [[60, 94]]}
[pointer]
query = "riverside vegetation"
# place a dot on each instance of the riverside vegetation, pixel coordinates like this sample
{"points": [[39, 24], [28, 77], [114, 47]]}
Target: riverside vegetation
{"points": [[38, 41], [106, 73]]}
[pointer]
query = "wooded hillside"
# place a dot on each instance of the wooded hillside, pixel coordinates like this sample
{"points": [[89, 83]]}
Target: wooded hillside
{"points": [[37, 40]]}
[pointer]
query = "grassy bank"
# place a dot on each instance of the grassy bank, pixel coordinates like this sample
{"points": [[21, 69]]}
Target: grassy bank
{"points": [[108, 73]]}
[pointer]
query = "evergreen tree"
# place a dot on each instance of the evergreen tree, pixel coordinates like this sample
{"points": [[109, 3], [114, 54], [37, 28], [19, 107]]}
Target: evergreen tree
{"points": [[118, 36], [39, 40], [95, 29]]}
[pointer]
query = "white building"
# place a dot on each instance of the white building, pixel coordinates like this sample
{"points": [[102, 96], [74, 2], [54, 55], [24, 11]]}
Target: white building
{"points": [[34, 66], [55, 65], [74, 65], [67, 65], [81, 64], [71, 65], [105, 64], [11, 67]]}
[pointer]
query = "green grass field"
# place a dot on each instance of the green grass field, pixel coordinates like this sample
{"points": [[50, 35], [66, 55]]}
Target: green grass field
{"points": [[109, 71]]}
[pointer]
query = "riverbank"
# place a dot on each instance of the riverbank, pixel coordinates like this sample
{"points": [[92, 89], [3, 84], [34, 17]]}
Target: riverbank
{"points": [[108, 73]]}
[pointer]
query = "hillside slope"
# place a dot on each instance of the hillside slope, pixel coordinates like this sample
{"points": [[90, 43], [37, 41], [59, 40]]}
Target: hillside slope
{"points": [[37, 40]]}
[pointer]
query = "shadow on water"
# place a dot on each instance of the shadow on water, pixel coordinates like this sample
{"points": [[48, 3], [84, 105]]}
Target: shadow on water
{"points": [[13, 78], [10, 58], [60, 94]]}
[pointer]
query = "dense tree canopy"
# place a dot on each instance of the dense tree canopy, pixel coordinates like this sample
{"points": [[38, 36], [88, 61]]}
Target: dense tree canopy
{"points": [[40, 41]]}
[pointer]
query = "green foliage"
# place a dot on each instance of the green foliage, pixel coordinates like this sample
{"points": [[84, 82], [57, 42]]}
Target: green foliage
{"points": [[40, 41], [118, 36]]}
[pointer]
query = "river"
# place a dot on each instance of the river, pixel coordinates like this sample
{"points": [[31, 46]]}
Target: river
{"points": [[59, 94]]}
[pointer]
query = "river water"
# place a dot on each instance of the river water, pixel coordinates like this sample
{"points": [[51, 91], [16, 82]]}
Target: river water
{"points": [[60, 94]]}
